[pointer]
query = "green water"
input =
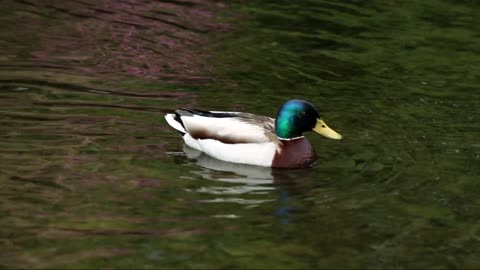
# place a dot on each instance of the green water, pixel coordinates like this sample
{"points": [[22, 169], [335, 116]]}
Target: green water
{"points": [[92, 177]]}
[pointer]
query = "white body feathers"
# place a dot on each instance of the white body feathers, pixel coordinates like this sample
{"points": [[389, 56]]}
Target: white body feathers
{"points": [[228, 138]]}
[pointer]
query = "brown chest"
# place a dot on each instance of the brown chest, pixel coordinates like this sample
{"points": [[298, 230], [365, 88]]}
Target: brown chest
{"points": [[295, 153]]}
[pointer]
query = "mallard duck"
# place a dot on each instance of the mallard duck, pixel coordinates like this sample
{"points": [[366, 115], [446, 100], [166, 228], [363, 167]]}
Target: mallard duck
{"points": [[253, 139]]}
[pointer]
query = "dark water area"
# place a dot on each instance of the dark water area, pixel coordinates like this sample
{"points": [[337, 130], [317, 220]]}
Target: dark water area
{"points": [[91, 176]]}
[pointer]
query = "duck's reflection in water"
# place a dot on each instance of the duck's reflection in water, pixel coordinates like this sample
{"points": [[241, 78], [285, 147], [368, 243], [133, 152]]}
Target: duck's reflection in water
{"points": [[250, 185]]}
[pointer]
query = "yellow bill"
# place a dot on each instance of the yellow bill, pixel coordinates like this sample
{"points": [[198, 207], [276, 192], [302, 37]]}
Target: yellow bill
{"points": [[322, 129]]}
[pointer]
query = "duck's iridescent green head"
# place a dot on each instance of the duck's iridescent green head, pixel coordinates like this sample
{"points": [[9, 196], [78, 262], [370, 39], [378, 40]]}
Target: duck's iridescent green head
{"points": [[298, 116]]}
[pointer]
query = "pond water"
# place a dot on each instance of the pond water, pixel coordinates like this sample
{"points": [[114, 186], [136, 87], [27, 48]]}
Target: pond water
{"points": [[91, 175]]}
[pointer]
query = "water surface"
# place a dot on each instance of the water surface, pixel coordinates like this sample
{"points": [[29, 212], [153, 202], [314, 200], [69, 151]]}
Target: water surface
{"points": [[92, 176]]}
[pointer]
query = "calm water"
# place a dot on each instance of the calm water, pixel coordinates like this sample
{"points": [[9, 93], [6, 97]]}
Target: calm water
{"points": [[91, 175]]}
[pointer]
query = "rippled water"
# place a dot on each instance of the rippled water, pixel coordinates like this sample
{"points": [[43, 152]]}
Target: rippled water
{"points": [[92, 176]]}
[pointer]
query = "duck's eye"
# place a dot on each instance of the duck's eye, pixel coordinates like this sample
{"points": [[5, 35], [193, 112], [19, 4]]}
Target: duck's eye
{"points": [[303, 113], [323, 126]]}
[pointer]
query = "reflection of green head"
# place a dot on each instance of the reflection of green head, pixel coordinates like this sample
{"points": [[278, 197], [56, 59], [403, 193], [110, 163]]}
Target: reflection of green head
{"points": [[294, 118]]}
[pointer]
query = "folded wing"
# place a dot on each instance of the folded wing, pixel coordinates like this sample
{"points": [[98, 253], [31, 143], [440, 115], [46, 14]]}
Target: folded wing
{"points": [[226, 127]]}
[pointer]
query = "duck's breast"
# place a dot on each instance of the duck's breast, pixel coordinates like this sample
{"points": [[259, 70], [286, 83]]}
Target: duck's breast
{"points": [[295, 153]]}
